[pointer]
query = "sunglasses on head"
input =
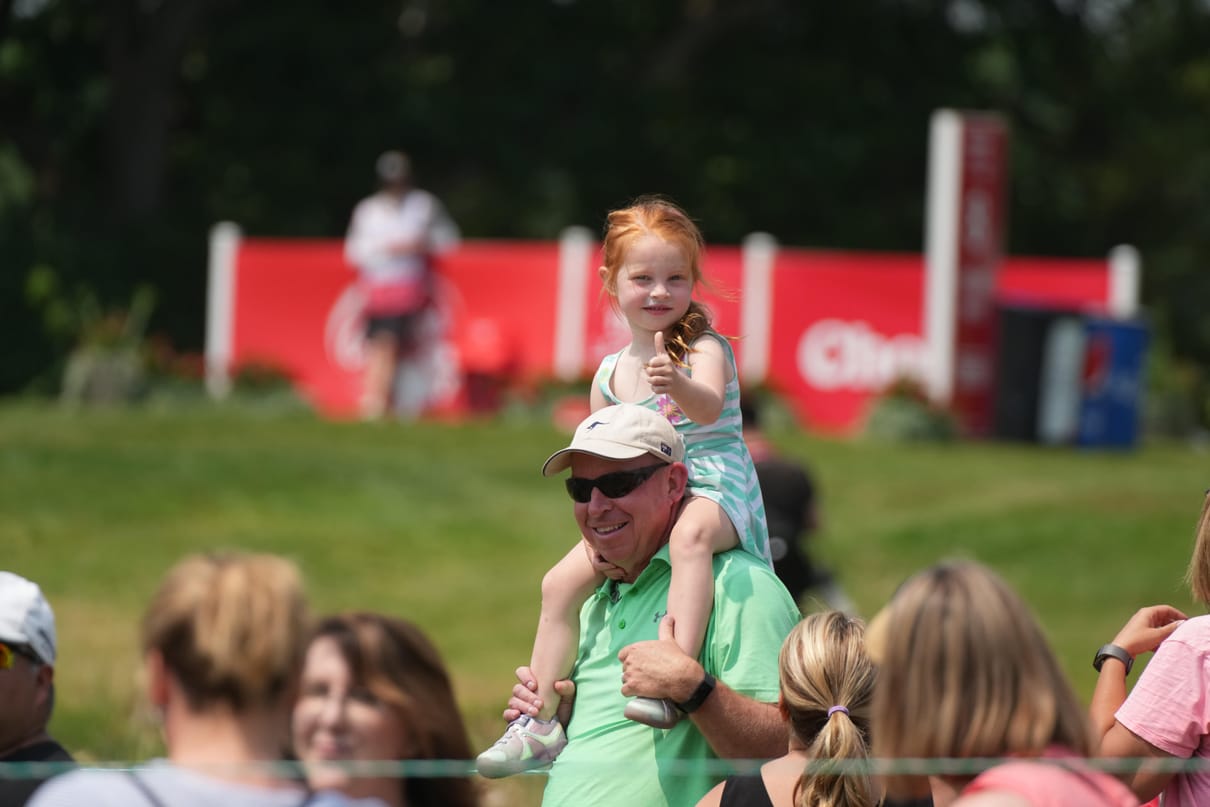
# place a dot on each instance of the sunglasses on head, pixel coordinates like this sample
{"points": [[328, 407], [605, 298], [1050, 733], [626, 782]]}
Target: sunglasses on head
{"points": [[9, 653], [612, 486]]}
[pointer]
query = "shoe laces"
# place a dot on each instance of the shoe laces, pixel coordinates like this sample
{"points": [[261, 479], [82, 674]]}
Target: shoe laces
{"points": [[514, 728]]}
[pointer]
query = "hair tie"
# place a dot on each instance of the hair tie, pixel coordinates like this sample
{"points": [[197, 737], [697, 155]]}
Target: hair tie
{"points": [[835, 709]]}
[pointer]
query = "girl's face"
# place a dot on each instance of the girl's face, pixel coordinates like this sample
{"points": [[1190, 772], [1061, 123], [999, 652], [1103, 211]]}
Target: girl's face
{"points": [[654, 284], [338, 719]]}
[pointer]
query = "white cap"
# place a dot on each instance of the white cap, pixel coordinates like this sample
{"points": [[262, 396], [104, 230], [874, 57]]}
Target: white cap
{"points": [[621, 432], [25, 616]]}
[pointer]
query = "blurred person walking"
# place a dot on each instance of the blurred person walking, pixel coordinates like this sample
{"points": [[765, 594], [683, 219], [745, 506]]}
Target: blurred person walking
{"points": [[827, 682], [28, 648], [223, 640], [393, 239], [375, 688]]}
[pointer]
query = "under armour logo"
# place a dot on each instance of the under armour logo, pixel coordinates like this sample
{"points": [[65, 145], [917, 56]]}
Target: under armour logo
{"points": [[659, 615]]}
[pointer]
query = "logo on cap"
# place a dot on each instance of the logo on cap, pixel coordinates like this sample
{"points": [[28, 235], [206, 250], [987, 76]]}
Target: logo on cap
{"points": [[666, 449], [594, 424]]}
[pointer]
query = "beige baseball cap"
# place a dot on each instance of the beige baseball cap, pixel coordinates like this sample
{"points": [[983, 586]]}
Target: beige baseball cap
{"points": [[620, 432]]}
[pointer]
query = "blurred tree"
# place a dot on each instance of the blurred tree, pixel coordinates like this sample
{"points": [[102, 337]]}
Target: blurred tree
{"points": [[128, 127]]}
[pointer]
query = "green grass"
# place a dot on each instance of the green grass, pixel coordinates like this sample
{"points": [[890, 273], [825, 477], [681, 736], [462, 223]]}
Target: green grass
{"points": [[453, 526]]}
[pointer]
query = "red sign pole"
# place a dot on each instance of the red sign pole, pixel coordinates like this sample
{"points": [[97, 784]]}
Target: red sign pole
{"points": [[968, 178]]}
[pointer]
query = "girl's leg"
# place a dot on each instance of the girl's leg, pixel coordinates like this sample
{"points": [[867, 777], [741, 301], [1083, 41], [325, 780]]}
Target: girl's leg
{"points": [[565, 588], [530, 742], [702, 530]]}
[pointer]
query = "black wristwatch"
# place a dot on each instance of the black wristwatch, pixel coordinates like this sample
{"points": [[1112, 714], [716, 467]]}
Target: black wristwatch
{"points": [[1112, 651], [699, 695]]}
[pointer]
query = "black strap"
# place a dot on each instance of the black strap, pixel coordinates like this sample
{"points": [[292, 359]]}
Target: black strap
{"points": [[146, 790], [143, 788]]}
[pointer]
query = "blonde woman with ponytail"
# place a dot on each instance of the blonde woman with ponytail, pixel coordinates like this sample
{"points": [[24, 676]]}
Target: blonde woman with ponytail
{"points": [[827, 681]]}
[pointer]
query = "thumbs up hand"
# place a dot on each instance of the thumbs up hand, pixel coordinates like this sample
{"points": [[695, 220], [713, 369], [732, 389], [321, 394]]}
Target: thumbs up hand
{"points": [[661, 371]]}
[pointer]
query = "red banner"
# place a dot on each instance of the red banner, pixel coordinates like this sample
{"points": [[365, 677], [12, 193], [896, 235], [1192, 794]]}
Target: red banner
{"points": [[844, 326], [297, 308], [840, 326]]}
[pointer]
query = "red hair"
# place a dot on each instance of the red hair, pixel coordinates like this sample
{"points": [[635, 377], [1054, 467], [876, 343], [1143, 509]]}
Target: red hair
{"points": [[655, 215]]}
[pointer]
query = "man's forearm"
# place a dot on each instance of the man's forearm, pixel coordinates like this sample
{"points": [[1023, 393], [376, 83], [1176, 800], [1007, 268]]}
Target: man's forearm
{"points": [[738, 727]]}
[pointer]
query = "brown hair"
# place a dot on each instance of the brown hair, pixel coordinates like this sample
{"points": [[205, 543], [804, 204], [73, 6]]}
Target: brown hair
{"points": [[231, 628], [1198, 575], [397, 662], [966, 672], [824, 664], [655, 215]]}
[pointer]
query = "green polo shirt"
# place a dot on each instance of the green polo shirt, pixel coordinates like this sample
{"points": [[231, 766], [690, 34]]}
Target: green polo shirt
{"points": [[610, 760]]}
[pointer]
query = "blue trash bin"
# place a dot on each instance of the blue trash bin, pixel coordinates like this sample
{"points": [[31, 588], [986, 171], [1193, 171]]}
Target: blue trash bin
{"points": [[1112, 383]]}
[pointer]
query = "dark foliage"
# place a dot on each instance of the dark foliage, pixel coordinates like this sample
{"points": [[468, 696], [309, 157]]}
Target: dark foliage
{"points": [[128, 127]]}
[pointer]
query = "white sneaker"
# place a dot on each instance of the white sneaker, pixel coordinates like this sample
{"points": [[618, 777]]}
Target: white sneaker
{"points": [[658, 713], [527, 743]]}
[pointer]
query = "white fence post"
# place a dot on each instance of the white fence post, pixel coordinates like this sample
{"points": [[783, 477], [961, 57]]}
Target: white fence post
{"points": [[1125, 273], [575, 257], [756, 306], [220, 307]]}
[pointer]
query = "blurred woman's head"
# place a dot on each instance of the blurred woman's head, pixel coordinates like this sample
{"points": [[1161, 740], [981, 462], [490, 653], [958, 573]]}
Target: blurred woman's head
{"points": [[1199, 565], [230, 629], [965, 671], [827, 682], [375, 688]]}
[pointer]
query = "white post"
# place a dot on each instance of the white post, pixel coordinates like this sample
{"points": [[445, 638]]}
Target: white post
{"points": [[220, 307], [756, 306], [1124, 277], [575, 266], [941, 252], [1058, 413]]}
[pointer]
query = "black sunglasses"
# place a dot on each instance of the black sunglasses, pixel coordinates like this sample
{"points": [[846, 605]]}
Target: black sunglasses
{"points": [[613, 486]]}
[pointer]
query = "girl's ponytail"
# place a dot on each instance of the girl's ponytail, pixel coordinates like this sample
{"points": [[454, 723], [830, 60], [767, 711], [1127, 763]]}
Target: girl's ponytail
{"points": [[827, 682], [688, 328], [839, 741]]}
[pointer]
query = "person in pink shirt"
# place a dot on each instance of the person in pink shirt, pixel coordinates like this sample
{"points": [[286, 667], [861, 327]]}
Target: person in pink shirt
{"points": [[1167, 714]]}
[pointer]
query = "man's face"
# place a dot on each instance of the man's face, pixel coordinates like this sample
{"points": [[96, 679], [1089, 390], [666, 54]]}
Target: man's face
{"points": [[24, 690], [626, 531]]}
